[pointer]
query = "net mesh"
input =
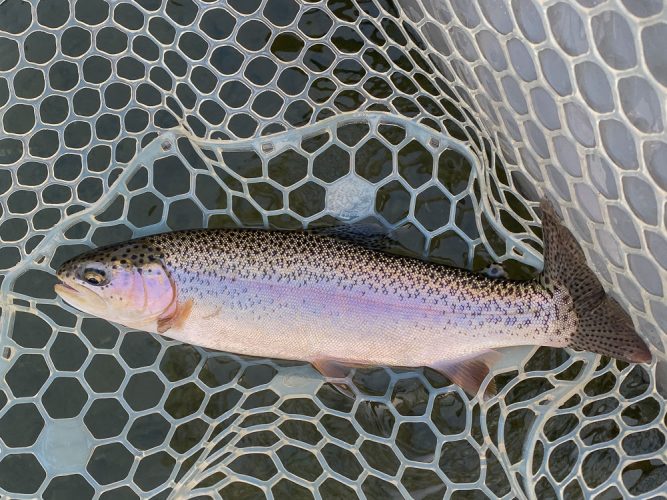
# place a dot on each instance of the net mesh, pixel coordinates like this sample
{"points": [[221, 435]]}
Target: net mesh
{"points": [[447, 120]]}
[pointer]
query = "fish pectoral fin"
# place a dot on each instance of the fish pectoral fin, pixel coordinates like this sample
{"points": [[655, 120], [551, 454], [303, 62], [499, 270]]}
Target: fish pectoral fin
{"points": [[331, 368], [175, 318], [469, 374]]}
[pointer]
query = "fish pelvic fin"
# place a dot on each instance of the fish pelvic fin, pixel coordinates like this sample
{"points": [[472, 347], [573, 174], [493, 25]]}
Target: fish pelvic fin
{"points": [[331, 368], [602, 326], [470, 373], [334, 369]]}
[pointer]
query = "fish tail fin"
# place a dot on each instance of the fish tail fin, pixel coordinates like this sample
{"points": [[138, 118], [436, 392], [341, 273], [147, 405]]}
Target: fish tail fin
{"points": [[603, 326]]}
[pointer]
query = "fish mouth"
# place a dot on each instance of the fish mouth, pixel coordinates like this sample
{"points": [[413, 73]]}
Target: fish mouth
{"points": [[80, 297], [69, 294], [64, 288]]}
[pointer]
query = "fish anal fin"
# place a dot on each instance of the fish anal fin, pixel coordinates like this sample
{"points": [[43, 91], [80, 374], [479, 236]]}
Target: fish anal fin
{"points": [[469, 374], [175, 317]]}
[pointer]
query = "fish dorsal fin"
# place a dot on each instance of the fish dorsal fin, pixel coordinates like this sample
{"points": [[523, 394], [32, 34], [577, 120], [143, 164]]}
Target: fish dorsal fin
{"points": [[368, 233], [469, 374]]}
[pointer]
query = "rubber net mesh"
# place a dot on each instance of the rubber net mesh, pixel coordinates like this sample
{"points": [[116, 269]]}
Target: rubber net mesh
{"points": [[445, 119]]}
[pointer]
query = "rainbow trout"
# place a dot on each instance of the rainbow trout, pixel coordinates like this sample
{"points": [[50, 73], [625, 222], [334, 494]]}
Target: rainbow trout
{"points": [[312, 297]]}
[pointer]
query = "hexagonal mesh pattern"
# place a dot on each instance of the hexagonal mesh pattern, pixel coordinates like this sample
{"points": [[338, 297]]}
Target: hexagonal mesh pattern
{"points": [[445, 119]]}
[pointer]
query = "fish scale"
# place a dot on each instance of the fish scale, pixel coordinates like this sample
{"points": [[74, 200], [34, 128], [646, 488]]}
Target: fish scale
{"points": [[333, 302]]}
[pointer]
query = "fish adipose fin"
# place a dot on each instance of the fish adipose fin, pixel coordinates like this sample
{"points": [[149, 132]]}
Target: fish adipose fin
{"points": [[603, 326], [470, 373]]}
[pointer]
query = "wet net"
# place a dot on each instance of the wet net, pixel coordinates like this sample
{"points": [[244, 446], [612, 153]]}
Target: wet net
{"points": [[445, 120]]}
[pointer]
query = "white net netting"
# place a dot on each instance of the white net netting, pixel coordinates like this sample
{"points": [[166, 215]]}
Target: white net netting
{"points": [[447, 120]]}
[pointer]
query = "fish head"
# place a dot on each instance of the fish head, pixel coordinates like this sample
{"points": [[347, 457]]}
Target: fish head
{"points": [[127, 284]]}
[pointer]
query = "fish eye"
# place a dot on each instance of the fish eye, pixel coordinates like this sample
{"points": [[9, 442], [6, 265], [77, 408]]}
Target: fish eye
{"points": [[94, 277]]}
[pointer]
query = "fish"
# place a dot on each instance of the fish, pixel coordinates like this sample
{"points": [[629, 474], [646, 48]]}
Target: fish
{"points": [[337, 304]]}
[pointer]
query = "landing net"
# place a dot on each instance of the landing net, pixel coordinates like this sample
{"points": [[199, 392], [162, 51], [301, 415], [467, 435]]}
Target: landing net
{"points": [[445, 120]]}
